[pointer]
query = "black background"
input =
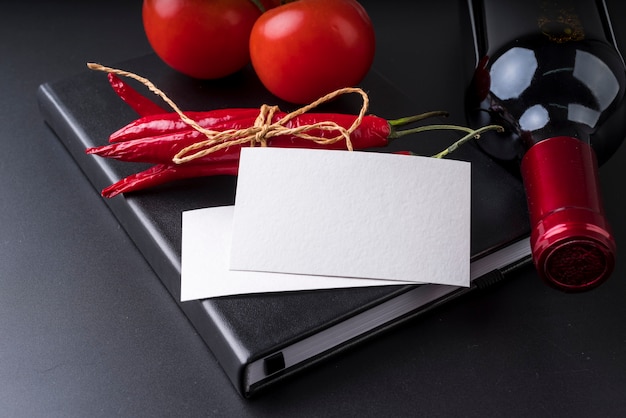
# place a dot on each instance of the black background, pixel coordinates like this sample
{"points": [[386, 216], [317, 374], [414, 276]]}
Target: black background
{"points": [[87, 329]]}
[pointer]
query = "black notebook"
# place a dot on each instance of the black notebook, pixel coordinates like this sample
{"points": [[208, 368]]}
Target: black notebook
{"points": [[260, 339]]}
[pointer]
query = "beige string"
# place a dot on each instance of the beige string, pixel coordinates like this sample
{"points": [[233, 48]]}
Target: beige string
{"points": [[262, 129]]}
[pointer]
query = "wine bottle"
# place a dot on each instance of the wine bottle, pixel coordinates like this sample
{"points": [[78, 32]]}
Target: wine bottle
{"points": [[550, 73]]}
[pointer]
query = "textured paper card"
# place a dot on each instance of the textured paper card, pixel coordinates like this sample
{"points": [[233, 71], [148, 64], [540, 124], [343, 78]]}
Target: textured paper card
{"points": [[205, 263], [352, 214]]}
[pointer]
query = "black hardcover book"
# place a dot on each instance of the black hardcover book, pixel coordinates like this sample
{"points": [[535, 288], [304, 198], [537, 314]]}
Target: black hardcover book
{"points": [[262, 338]]}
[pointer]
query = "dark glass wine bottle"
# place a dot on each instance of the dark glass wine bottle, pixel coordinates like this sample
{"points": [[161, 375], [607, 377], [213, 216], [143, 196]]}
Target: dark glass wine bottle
{"points": [[550, 73]]}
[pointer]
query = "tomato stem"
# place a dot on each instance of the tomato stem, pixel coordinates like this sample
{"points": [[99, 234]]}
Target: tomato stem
{"points": [[259, 5]]}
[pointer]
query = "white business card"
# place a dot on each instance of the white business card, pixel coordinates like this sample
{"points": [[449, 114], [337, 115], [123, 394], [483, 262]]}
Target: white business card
{"points": [[353, 215]]}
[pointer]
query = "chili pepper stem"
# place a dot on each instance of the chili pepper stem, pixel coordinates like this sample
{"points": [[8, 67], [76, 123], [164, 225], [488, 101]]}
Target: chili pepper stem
{"points": [[258, 4], [473, 134], [394, 134], [417, 118]]}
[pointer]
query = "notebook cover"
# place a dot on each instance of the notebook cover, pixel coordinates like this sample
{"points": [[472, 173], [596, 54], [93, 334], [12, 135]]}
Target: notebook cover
{"points": [[83, 110]]}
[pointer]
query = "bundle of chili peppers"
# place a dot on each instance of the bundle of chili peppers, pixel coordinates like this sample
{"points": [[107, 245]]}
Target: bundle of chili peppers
{"points": [[196, 144]]}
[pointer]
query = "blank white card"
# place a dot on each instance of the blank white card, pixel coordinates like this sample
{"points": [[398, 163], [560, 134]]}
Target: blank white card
{"points": [[352, 214]]}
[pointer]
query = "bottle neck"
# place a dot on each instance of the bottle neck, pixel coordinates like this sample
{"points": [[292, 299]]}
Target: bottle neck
{"points": [[571, 241], [556, 127]]}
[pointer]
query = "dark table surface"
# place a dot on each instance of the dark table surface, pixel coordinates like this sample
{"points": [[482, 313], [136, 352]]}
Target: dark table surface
{"points": [[87, 329]]}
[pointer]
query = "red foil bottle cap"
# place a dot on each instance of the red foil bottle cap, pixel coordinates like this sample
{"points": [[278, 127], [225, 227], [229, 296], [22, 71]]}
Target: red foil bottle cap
{"points": [[572, 246]]}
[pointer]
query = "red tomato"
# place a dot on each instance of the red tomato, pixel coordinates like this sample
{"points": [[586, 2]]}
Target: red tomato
{"points": [[204, 39], [308, 48]]}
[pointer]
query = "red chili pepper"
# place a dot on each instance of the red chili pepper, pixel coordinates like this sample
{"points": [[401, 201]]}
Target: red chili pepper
{"points": [[139, 103], [155, 119], [164, 173], [157, 149], [171, 122], [373, 132]]}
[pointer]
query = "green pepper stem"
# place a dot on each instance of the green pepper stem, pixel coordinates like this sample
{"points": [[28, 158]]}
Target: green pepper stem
{"points": [[416, 118], [398, 134], [259, 5], [472, 134]]}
